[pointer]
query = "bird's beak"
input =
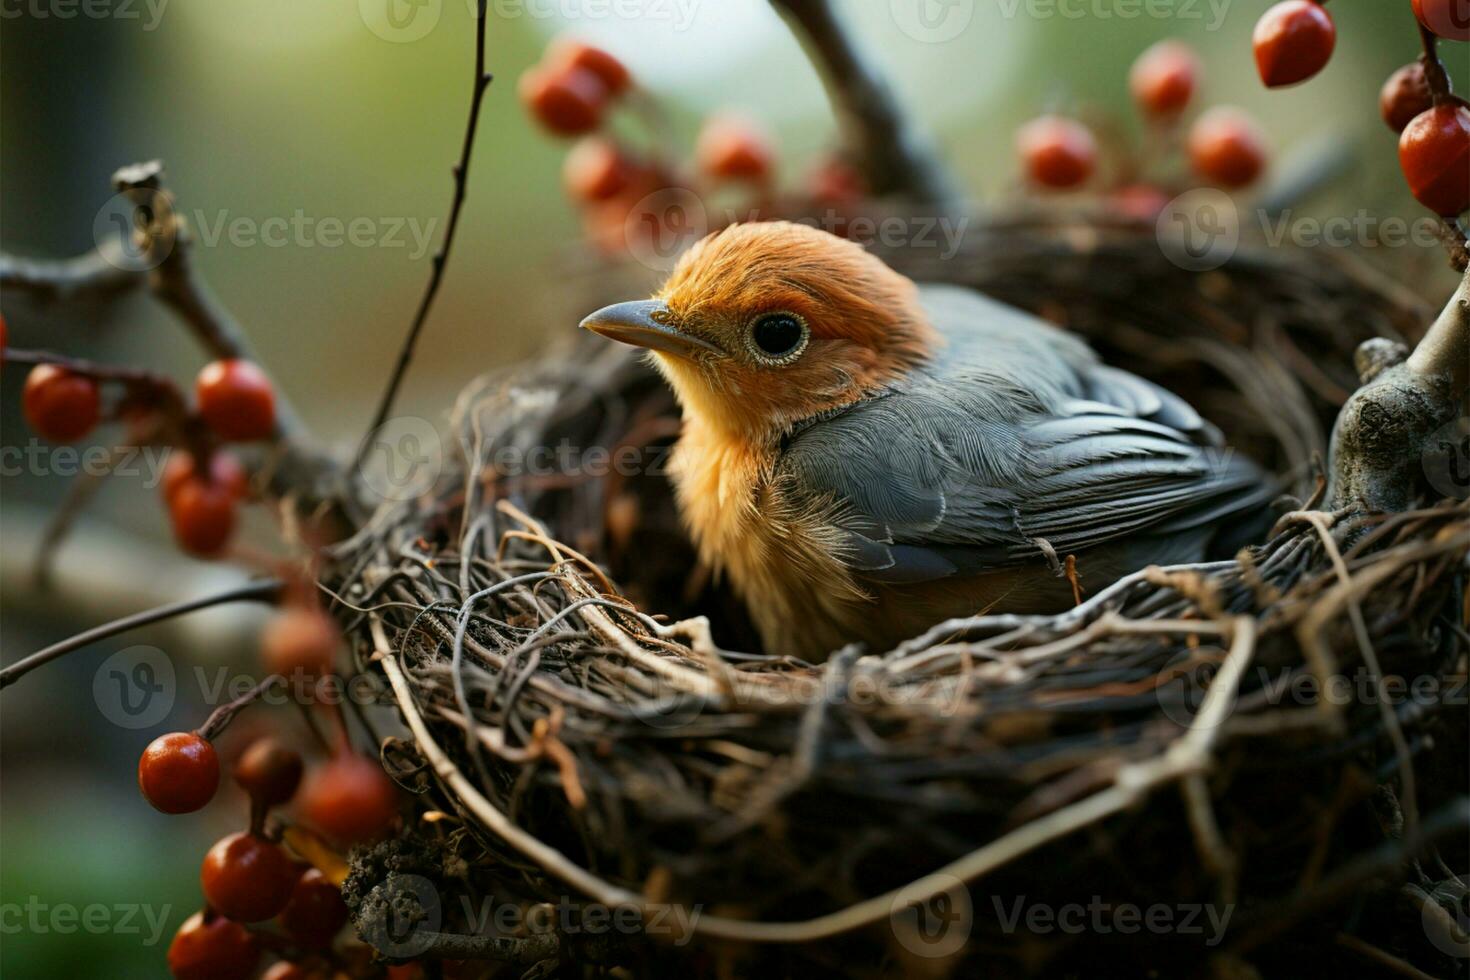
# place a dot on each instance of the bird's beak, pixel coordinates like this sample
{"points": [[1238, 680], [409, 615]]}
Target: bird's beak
{"points": [[645, 323]]}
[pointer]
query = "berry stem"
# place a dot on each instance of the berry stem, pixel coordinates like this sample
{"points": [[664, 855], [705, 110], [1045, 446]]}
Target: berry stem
{"points": [[1440, 88], [221, 717]]}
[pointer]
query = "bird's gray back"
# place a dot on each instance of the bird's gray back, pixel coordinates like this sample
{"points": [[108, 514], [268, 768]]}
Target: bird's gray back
{"points": [[1015, 442]]}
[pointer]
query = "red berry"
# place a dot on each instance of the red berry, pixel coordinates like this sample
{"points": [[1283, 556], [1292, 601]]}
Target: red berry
{"points": [[203, 516], [4, 336], [237, 400], [1293, 41], [1056, 152], [269, 772], [300, 640], [316, 912], [567, 101], [224, 471], [596, 170], [60, 405], [1164, 78], [1227, 147], [1434, 153], [731, 148], [211, 947], [1450, 19], [247, 878], [1404, 96], [566, 53], [350, 798], [178, 772]]}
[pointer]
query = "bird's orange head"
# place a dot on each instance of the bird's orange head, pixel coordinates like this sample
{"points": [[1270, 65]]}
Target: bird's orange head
{"points": [[764, 324]]}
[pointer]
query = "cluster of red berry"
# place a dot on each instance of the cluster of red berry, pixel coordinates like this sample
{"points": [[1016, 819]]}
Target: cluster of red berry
{"points": [[1224, 145], [203, 484], [1294, 41], [250, 877], [570, 93]]}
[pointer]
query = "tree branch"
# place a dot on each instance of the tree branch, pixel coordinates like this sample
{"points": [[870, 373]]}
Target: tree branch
{"points": [[98, 272], [263, 591], [893, 156], [1383, 431], [460, 173]]}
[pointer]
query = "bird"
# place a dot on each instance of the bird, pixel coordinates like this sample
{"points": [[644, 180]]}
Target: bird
{"points": [[864, 457]]}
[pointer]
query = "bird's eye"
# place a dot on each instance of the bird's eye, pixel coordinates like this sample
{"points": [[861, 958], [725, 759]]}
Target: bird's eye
{"points": [[778, 337]]}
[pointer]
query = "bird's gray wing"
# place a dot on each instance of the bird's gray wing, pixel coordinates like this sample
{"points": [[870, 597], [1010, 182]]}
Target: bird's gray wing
{"points": [[1021, 449]]}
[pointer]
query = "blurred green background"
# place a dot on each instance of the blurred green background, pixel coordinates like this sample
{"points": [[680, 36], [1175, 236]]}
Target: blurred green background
{"points": [[267, 108]]}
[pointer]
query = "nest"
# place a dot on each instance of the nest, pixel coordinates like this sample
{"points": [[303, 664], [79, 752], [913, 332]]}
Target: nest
{"points": [[1278, 741]]}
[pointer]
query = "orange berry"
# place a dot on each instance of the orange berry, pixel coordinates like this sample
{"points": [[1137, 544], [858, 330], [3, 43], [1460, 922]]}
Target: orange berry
{"points": [[567, 101], [224, 471], [1404, 96], [596, 170], [202, 515], [212, 948], [269, 772], [247, 878], [350, 798], [178, 772], [300, 640], [236, 399], [568, 53], [1293, 41], [1226, 147], [1450, 19], [732, 148], [1056, 152], [60, 405], [316, 912], [1163, 79], [1434, 153]]}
